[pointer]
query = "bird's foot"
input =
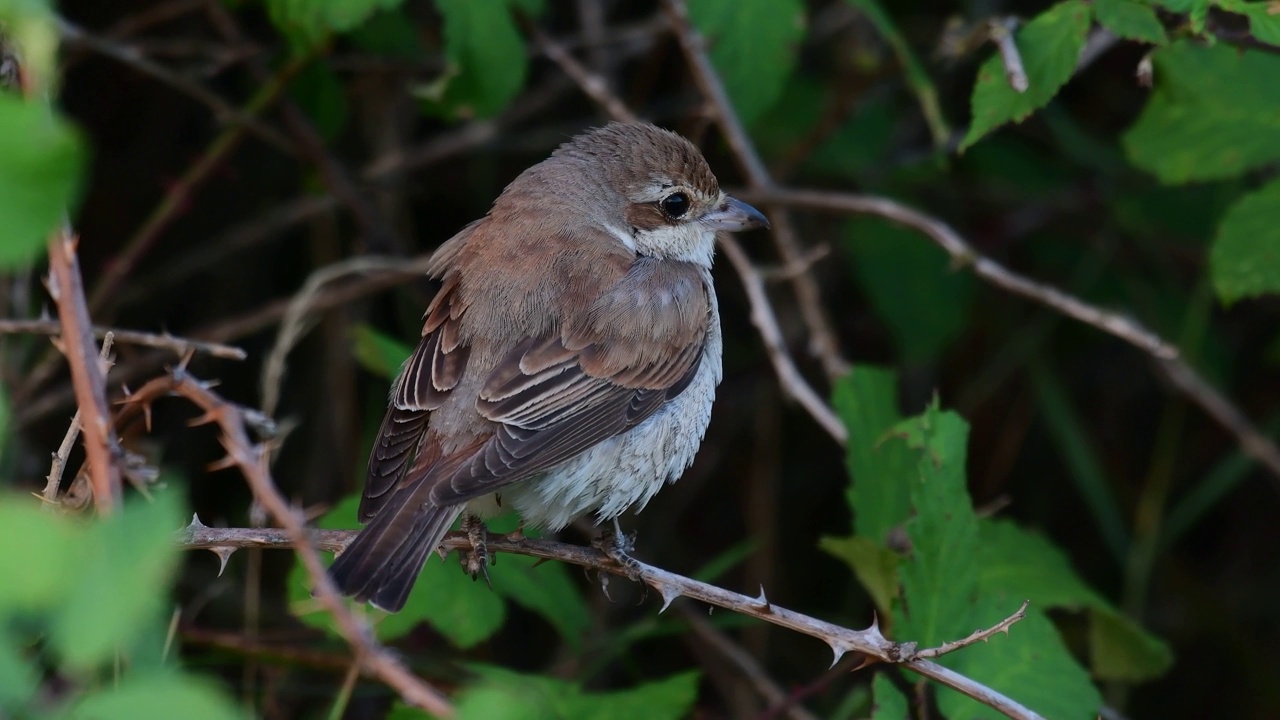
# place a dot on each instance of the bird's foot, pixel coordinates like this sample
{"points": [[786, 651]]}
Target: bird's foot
{"points": [[476, 560], [618, 547]]}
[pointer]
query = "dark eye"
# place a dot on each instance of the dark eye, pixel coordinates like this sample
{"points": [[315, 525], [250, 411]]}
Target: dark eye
{"points": [[675, 204]]}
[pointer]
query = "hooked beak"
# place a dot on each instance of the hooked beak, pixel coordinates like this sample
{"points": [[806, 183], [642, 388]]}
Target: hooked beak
{"points": [[734, 215]]}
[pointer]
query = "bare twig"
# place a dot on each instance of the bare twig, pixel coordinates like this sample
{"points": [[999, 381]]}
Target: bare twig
{"points": [[595, 86], [223, 111], [1252, 441], [763, 317], [250, 459], [977, 635], [59, 464], [293, 326], [824, 344], [1000, 31], [86, 374], [869, 642], [178, 345]]}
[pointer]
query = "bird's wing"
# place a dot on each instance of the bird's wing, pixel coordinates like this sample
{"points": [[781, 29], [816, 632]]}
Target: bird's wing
{"points": [[428, 376], [603, 371]]}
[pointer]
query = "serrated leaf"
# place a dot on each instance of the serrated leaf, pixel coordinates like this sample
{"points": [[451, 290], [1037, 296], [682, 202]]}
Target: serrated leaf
{"points": [[1121, 650], [875, 566], [1021, 564], [40, 161], [939, 581], [308, 23], [1212, 115], [464, 611], [753, 46], [1017, 564], [1130, 19], [378, 353], [1030, 664], [156, 695], [486, 60], [888, 703], [880, 471], [1245, 258], [129, 560], [39, 547], [1050, 47], [911, 285]]}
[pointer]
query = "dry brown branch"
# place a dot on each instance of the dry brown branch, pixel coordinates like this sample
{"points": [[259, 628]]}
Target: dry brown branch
{"points": [[178, 345], [87, 377], [595, 86], [250, 459], [1252, 441], [823, 342], [869, 642], [59, 464]]}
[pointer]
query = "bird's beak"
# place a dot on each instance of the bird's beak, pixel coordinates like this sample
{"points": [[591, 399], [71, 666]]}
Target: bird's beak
{"points": [[734, 215]]}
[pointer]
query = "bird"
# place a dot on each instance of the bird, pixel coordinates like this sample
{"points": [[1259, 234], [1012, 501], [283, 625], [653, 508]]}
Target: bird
{"points": [[568, 362]]}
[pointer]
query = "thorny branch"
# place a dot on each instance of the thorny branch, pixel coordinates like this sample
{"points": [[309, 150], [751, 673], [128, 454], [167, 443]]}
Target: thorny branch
{"points": [[129, 337], [86, 374], [250, 459], [869, 642]]}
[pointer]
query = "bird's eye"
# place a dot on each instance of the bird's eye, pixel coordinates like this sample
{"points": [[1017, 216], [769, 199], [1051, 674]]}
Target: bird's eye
{"points": [[675, 204]]}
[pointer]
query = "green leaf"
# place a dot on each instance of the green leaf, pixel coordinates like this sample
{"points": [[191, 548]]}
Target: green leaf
{"points": [[876, 566], [1130, 19], [939, 581], [464, 611], [1264, 19], [888, 703], [1050, 46], [546, 590], [1024, 565], [486, 63], [1120, 650], [19, 678], [753, 46], [40, 162], [308, 23], [39, 547], [1212, 115], [378, 353], [1245, 258], [156, 695], [129, 560], [880, 472], [1020, 565], [1030, 664], [505, 695], [911, 285]]}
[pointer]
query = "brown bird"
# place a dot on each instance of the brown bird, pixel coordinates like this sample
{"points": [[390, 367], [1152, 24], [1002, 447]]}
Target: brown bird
{"points": [[569, 361]]}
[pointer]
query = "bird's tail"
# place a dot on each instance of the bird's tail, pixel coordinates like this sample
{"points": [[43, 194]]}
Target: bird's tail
{"points": [[381, 565]]}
